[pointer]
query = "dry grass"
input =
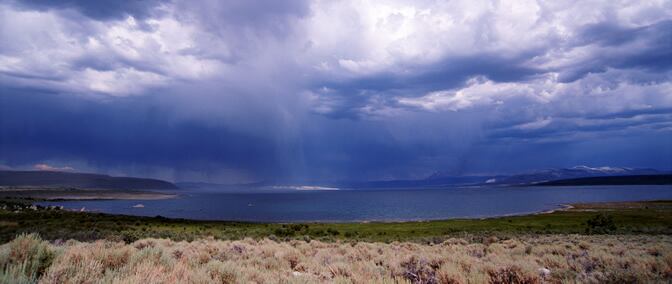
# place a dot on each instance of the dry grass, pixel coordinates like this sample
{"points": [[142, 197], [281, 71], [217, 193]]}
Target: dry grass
{"points": [[542, 259]]}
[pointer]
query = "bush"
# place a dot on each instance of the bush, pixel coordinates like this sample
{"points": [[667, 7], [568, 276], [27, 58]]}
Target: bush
{"points": [[222, 272], [418, 271], [512, 275], [600, 224], [551, 259], [333, 232], [26, 255], [280, 232], [129, 238], [16, 274]]}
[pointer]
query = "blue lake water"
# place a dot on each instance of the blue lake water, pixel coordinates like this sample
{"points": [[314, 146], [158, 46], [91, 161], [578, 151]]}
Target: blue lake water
{"points": [[369, 205]]}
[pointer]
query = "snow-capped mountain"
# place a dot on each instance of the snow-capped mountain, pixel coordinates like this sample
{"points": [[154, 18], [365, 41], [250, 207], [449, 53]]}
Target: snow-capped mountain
{"points": [[569, 173]]}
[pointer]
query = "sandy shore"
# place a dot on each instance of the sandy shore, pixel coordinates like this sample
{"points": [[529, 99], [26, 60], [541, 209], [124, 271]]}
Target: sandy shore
{"points": [[564, 207]]}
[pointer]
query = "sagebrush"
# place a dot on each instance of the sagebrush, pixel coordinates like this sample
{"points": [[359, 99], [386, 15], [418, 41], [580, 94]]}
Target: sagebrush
{"points": [[542, 259]]}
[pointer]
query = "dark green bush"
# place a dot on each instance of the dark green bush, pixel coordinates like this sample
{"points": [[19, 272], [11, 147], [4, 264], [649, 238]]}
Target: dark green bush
{"points": [[600, 224]]}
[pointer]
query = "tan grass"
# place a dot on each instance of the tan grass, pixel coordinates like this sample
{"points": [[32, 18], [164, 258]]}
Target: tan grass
{"points": [[542, 259]]}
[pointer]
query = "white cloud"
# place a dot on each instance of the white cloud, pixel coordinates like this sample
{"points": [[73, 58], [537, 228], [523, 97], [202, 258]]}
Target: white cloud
{"points": [[386, 35], [45, 167], [537, 124], [120, 81], [82, 55], [479, 92], [342, 39], [597, 101]]}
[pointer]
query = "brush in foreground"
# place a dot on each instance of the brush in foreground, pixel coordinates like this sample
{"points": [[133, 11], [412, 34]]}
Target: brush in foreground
{"points": [[550, 258]]}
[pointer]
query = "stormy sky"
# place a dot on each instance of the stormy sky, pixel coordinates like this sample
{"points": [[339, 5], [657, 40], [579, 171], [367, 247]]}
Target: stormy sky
{"points": [[240, 91]]}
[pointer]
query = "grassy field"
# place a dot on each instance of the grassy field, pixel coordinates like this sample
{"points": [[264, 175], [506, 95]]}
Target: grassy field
{"points": [[18, 216]]}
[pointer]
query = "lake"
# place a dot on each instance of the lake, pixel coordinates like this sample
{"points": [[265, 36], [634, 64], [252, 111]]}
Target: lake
{"points": [[369, 205]]}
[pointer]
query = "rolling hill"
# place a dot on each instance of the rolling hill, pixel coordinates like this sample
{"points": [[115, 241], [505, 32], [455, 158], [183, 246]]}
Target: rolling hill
{"points": [[79, 180]]}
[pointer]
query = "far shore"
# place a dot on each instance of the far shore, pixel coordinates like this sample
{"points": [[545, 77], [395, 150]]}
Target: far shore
{"points": [[52, 194]]}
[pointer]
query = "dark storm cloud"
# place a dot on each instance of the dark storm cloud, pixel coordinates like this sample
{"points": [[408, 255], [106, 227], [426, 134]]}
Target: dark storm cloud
{"points": [[446, 74], [648, 47], [348, 97], [133, 131], [603, 150], [244, 26], [563, 129], [145, 133], [613, 34], [246, 15], [99, 9], [632, 113], [349, 149]]}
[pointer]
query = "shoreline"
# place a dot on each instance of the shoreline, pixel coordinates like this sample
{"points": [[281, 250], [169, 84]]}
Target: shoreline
{"points": [[41, 196], [19, 215], [567, 207], [561, 208], [74, 194]]}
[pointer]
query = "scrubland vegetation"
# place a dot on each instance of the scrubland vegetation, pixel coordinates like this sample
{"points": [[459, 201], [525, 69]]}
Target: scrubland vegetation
{"points": [[543, 259], [18, 217], [591, 243]]}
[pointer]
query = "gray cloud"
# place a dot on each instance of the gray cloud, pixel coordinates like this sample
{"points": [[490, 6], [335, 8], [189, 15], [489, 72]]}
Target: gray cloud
{"points": [[100, 10], [249, 90]]}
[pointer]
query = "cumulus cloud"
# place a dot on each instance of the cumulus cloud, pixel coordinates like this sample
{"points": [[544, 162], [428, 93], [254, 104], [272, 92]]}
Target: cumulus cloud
{"points": [[454, 43], [253, 90], [81, 55]]}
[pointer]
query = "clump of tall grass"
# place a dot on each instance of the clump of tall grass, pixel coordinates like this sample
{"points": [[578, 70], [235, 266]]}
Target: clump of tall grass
{"points": [[539, 259], [24, 259]]}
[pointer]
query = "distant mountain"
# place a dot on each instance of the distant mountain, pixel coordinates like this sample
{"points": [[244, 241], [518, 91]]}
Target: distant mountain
{"points": [[440, 180], [434, 181], [79, 180], [199, 185], [548, 175], [215, 187], [447, 178], [663, 179]]}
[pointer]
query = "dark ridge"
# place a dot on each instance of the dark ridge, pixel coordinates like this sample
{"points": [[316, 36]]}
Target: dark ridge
{"points": [[79, 180], [613, 180]]}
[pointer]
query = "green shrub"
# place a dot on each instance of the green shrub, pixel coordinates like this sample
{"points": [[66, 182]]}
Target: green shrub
{"points": [[600, 224], [333, 232]]}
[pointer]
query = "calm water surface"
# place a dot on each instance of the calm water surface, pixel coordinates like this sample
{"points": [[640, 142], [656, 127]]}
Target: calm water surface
{"points": [[370, 205]]}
